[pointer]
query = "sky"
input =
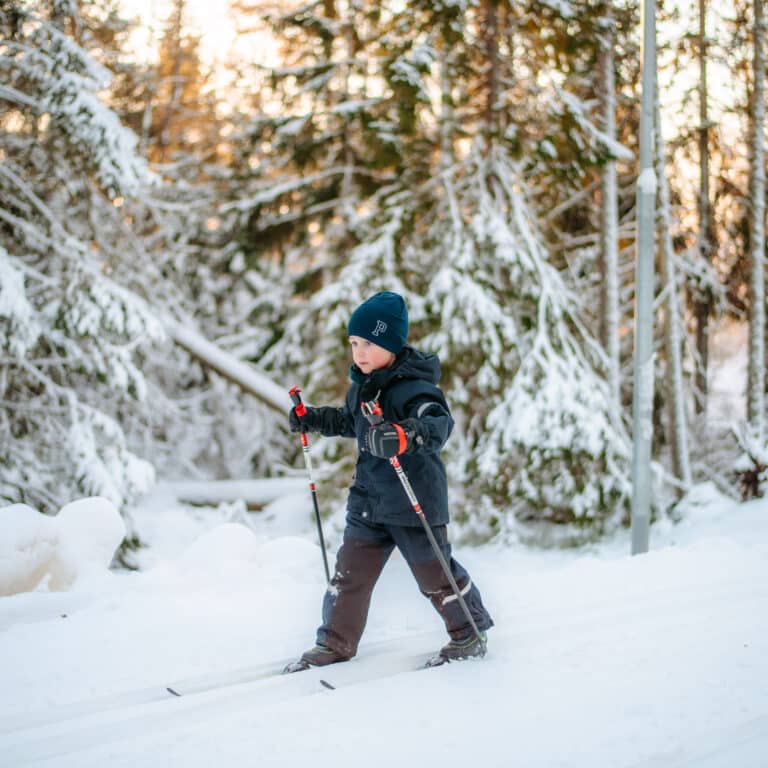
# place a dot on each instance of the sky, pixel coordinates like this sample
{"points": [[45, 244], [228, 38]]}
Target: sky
{"points": [[597, 658], [217, 29]]}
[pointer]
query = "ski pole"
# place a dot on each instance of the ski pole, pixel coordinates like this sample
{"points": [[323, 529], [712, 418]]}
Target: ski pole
{"points": [[301, 410], [372, 412]]}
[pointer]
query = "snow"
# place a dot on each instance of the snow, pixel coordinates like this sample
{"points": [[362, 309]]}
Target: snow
{"points": [[597, 658], [15, 306], [253, 492], [728, 372], [352, 106], [78, 543], [246, 375], [646, 182]]}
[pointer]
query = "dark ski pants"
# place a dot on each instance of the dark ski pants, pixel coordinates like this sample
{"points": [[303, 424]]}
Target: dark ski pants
{"points": [[364, 552]]}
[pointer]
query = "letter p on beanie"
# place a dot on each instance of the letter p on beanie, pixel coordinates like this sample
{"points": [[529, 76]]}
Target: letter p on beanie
{"points": [[383, 320]]}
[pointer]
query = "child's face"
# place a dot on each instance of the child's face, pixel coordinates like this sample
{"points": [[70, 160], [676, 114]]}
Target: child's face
{"points": [[369, 356]]}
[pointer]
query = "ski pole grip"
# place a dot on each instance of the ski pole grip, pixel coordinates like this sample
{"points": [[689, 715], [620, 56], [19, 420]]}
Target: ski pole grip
{"points": [[301, 409], [372, 411]]}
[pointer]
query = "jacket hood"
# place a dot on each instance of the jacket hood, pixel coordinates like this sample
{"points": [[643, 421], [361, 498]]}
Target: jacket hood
{"points": [[409, 364]]}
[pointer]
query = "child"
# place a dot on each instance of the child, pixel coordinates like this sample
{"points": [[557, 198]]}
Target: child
{"points": [[380, 517]]}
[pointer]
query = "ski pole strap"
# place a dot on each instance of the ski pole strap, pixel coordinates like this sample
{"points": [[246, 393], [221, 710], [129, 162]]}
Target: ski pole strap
{"points": [[372, 411]]}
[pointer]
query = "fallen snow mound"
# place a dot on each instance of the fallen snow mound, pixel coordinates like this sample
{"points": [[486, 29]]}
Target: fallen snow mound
{"points": [[233, 551], [36, 549]]}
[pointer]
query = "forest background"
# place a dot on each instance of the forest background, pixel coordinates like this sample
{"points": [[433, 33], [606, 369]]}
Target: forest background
{"points": [[477, 156]]}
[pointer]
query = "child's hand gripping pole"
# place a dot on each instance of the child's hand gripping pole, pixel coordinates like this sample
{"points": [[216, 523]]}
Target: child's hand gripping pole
{"points": [[301, 409], [372, 411]]}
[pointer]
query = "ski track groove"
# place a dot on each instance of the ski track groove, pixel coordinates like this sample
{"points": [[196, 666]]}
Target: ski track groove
{"points": [[187, 687]]}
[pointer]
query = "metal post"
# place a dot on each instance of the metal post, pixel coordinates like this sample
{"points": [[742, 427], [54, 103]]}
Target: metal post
{"points": [[642, 402]]}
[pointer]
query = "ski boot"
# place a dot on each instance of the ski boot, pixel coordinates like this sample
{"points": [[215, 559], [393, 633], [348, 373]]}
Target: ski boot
{"points": [[319, 656], [473, 647]]}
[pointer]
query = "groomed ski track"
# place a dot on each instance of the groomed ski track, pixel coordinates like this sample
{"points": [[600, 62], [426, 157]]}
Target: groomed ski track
{"points": [[76, 734], [27, 739], [596, 661]]}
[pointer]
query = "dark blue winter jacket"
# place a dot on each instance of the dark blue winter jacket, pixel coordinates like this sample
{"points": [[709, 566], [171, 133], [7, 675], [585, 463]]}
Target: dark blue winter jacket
{"points": [[406, 390]]}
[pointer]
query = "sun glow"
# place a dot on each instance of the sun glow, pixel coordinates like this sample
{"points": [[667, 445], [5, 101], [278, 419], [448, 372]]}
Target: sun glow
{"points": [[215, 24]]}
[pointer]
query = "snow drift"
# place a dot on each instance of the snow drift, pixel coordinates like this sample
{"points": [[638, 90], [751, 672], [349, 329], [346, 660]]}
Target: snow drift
{"points": [[36, 549]]}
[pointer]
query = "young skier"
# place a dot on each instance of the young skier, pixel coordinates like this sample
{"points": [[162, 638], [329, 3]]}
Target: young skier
{"points": [[416, 423]]}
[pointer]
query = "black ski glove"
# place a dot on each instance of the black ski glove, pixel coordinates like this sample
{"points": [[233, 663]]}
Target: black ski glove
{"points": [[390, 439], [309, 422]]}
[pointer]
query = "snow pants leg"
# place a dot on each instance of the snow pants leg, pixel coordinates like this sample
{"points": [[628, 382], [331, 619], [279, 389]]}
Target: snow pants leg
{"points": [[364, 552], [345, 605], [434, 584]]}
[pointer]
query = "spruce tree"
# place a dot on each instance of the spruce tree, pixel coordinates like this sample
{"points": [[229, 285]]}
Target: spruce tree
{"points": [[70, 333]]}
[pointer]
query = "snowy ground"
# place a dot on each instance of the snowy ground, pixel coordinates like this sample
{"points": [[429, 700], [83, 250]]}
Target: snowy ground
{"points": [[598, 658], [729, 343]]}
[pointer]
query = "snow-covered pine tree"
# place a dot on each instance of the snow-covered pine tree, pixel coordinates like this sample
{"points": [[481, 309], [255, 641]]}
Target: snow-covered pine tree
{"points": [[462, 243], [204, 426], [70, 334], [468, 242], [516, 352], [536, 438], [310, 169], [574, 133]]}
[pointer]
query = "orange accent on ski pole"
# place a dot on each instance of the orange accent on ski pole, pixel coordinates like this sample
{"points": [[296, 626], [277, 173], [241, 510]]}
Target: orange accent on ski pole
{"points": [[300, 408]]}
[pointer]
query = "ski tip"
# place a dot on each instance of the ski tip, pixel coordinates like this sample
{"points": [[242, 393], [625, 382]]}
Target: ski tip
{"points": [[295, 666], [172, 691], [328, 685]]}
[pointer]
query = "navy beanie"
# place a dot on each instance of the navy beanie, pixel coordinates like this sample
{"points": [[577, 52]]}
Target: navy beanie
{"points": [[383, 320]]}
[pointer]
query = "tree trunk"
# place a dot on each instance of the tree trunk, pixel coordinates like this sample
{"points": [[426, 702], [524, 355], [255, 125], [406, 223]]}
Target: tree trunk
{"points": [[490, 32], [756, 383], [703, 294], [231, 368], [673, 336], [446, 108], [609, 219]]}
